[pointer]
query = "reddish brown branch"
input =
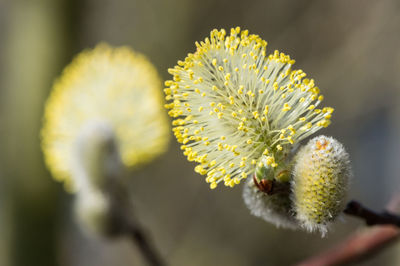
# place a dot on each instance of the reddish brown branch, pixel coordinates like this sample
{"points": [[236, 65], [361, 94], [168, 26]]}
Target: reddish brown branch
{"points": [[357, 247], [364, 243]]}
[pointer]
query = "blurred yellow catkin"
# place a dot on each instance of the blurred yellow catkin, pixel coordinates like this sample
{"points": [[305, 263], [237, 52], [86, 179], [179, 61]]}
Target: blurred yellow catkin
{"points": [[113, 86]]}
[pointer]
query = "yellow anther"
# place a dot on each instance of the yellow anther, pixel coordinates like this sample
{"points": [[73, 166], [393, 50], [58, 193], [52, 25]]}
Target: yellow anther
{"points": [[308, 125], [269, 160], [286, 107], [328, 110], [219, 146], [266, 108]]}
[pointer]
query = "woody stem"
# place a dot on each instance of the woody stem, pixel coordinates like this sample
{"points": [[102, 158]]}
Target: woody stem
{"points": [[356, 209], [366, 242]]}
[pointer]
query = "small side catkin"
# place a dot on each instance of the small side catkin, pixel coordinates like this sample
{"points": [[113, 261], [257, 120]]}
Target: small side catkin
{"points": [[320, 181], [274, 209]]}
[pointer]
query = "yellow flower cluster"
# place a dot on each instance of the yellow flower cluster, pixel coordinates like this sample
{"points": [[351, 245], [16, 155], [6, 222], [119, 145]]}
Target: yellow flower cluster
{"points": [[113, 86], [235, 107]]}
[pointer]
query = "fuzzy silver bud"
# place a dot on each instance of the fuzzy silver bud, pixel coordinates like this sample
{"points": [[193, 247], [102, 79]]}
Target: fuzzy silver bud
{"points": [[275, 209]]}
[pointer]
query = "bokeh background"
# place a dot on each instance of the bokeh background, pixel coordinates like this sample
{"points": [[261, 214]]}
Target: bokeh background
{"points": [[350, 47]]}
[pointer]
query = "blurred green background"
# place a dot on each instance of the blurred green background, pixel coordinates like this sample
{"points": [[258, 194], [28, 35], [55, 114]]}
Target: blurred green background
{"points": [[351, 48]]}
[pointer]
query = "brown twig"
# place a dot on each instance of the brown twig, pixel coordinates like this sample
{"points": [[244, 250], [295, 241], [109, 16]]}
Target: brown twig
{"points": [[123, 223], [148, 251], [357, 247], [363, 243], [355, 208]]}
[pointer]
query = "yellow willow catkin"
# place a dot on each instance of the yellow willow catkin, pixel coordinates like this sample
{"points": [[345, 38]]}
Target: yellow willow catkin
{"points": [[105, 85], [320, 182], [235, 107]]}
